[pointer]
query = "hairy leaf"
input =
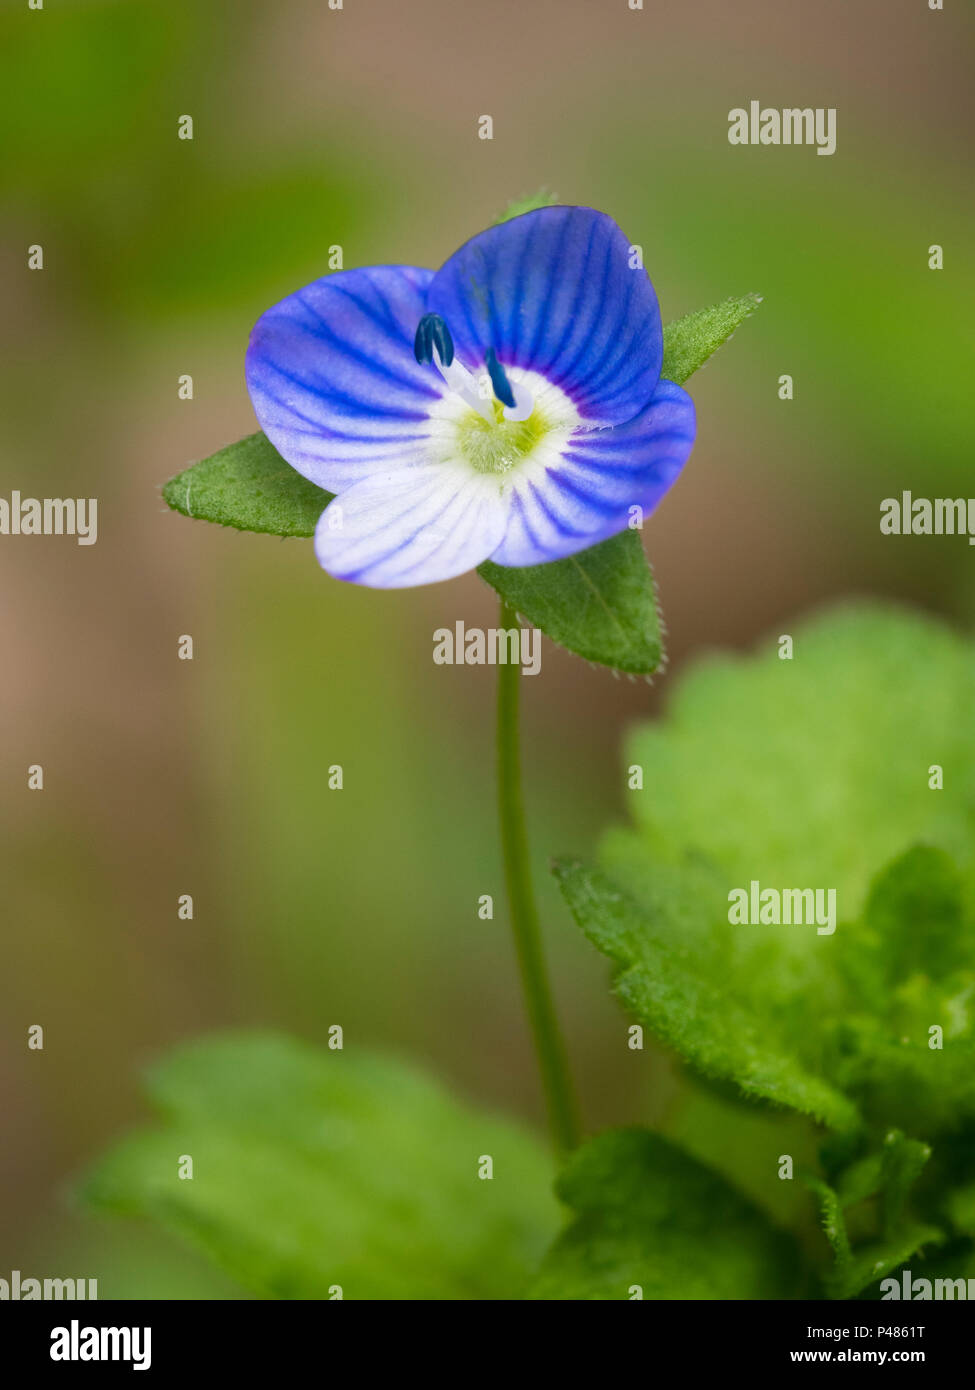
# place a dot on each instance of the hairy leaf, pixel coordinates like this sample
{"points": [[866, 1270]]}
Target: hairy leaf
{"points": [[868, 1265], [895, 1234], [810, 773], [679, 994], [248, 485], [891, 1172], [691, 340], [599, 604], [901, 1162], [834, 1226]]}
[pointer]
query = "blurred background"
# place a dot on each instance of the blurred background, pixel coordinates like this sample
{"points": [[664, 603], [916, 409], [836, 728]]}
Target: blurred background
{"points": [[358, 127]]}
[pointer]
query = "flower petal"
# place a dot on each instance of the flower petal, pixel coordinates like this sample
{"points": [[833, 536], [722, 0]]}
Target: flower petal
{"points": [[560, 508], [414, 526], [333, 379], [552, 291]]}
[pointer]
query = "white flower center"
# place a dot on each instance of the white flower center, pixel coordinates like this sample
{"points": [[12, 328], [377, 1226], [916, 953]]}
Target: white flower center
{"points": [[471, 426]]}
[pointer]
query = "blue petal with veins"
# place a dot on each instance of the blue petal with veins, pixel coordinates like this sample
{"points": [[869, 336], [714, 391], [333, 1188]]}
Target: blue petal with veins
{"points": [[508, 406]]}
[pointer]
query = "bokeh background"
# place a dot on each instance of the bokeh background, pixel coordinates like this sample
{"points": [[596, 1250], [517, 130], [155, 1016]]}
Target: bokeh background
{"points": [[162, 777]]}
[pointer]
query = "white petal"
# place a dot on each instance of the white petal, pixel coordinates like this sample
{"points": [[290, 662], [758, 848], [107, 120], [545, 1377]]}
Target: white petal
{"points": [[412, 526]]}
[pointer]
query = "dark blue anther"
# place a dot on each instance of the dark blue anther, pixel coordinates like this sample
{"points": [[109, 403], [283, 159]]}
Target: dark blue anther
{"points": [[500, 382], [432, 332]]}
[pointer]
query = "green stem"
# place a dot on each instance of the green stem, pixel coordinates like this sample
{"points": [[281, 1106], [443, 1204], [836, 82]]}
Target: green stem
{"points": [[549, 1047]]}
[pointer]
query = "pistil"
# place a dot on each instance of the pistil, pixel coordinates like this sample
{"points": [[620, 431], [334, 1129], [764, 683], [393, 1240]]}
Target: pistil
{"points": [[517, 400]]}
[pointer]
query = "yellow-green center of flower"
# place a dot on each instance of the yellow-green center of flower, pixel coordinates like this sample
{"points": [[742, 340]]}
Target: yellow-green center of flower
{"points": [[500, 446]]}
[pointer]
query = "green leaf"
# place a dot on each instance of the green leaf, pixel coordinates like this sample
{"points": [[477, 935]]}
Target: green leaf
{"points": [[901, 1162], [899, 1078], [649, 1217], [961, 1208], [871, 1263], [248, 485], [678, 991], [314, 1168], [814, 771], [889, 1174], [834, 1224], [916, 909], [691, 340], [808, 773], [599, 603], [908, 965]]}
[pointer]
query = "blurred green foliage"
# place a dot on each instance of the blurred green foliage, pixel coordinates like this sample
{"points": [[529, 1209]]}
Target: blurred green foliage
{"points": [[149, 226], [318, 1174], [874, 339], [652, 1223]]}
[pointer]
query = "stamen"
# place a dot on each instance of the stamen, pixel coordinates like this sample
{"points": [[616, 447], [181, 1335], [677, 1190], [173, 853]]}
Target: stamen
{"points": [[434, 344], [432, 332]]}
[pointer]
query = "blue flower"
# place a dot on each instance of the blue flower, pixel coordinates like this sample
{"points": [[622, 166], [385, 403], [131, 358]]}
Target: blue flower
{"points": [[507, 407]]}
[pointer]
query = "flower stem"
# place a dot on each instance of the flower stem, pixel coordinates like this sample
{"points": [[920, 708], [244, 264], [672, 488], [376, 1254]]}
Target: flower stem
{"points": [[549, 1047]]}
